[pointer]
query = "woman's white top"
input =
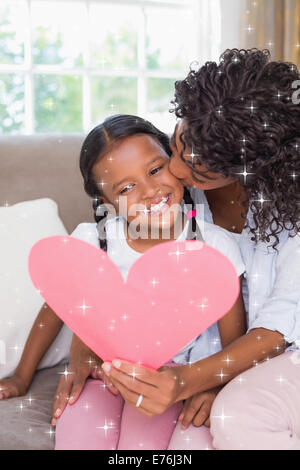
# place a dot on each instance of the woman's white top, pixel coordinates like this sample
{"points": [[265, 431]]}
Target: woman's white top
{"points": [[124, 256], [273, 278]]}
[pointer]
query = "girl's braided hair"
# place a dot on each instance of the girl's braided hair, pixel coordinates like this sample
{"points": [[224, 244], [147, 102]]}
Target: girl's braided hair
{"points": [[99, 142], [241, 120]]}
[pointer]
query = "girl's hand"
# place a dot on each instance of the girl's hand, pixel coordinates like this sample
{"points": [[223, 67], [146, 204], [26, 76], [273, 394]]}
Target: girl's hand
{"points": [[160, 389], [196, 409], [12, 387], [83, 364]]}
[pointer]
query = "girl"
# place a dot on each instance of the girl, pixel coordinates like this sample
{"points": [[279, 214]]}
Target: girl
{"points": [[238, 142], [126, 159]]}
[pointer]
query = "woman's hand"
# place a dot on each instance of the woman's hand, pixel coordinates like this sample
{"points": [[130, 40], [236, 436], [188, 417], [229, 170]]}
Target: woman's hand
{"points": [[83, 364], [160, 389], [13, 387], [196, 409]]}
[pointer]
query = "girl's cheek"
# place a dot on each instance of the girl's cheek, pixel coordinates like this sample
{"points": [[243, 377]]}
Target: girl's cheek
{"points": [[175, 183], [130, 207], [166, 177]]}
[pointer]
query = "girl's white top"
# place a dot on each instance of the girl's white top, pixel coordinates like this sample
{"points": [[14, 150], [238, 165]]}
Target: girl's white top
{"points": [[124, 256]]}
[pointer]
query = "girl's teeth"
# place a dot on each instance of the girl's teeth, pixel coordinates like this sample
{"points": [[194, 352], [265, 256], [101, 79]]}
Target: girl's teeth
{"points": [[160, 205]]}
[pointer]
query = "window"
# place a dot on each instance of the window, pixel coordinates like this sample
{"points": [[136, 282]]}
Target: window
{"points": [[67, 64]]}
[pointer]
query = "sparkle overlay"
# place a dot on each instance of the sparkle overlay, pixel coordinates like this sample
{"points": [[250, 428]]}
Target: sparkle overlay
{"points": [[108, 426], [66, 373]]}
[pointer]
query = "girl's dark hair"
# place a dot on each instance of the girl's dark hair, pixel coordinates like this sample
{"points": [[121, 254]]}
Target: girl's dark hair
{"points": [[241, 117], [98, 143]]}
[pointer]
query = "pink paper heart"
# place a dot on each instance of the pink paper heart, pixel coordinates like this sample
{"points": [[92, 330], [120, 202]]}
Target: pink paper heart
{"points": [[173, 293]]}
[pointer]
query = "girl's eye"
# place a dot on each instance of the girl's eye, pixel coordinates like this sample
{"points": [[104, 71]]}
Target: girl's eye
{"points": [[156, 170], [124, 190]]}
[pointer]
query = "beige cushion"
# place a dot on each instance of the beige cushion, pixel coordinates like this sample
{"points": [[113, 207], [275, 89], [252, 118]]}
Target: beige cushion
{"points": [[34, 167]]}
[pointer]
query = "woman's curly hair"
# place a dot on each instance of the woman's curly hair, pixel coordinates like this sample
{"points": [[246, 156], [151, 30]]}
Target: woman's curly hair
{"points": [[241, 118]]}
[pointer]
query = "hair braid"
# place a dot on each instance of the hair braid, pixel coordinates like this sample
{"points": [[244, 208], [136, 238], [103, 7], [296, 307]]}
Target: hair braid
{"points": [[97, 202], [188, 200]]}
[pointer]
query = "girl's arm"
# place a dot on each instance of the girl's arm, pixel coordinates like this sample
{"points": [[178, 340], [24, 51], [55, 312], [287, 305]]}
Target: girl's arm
{"points": [[43, 332], [84, 363]]}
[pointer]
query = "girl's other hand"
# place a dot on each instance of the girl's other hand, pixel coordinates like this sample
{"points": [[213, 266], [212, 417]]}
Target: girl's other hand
{"points": [[70, 386], [196, 409], [15, 386]]}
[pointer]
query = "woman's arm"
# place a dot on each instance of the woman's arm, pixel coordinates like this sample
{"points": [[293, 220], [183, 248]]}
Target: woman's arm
{"points": [[196, 409], [245, 352], [161, 389], [43, 332]]}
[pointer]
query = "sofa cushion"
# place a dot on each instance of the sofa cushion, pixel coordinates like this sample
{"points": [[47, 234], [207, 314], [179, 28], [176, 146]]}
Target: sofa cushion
{"points": [[45, 166], [21, 226], [25, 421]]}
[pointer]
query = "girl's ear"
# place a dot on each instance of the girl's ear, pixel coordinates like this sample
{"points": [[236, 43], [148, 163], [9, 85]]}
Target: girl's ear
{"points": [[104, 200], [108, 203]]}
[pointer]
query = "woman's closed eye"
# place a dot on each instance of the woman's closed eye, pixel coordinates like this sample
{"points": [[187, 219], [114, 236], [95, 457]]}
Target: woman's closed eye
{"points": [[156, 170]]}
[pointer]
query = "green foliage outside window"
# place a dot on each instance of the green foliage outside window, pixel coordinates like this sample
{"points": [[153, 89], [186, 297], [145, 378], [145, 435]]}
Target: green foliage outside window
{"points": [[58, 103]]}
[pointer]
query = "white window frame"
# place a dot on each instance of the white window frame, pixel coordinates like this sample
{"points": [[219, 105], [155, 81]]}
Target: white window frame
{"points": [[200, 50]]}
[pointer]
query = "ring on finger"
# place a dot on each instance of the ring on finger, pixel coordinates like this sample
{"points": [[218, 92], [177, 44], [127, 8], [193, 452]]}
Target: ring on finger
{"points": [[139, 401]]}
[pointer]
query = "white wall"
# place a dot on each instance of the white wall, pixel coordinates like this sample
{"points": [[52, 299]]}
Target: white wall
{"points": [[218, 27], [231, 11]]}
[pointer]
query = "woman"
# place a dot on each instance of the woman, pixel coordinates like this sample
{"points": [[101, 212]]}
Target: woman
{"points": [[238, 141]]}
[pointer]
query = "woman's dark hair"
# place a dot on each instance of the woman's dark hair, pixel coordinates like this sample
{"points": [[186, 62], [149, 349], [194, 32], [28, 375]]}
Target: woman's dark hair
{"points": [[99, 142], [241, 118]]}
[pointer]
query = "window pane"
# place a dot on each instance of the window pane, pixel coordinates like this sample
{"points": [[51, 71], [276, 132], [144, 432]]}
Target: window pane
{"points": [[113, 95], [58, 103], [168, 32], [11, 103], [179, 2], [113, 36], [12, 32], [160, 92], [58, 31]]}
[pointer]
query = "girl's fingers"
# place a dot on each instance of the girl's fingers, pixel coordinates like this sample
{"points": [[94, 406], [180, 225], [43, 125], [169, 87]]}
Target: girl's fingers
{"points": [[207, 422], [143, 374], [94, 373], [107, 382], [4, 394], [76, 389], [9, 392], [190, 409], [202, 415], [61, 398], [78, 384], [58, 409]]}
